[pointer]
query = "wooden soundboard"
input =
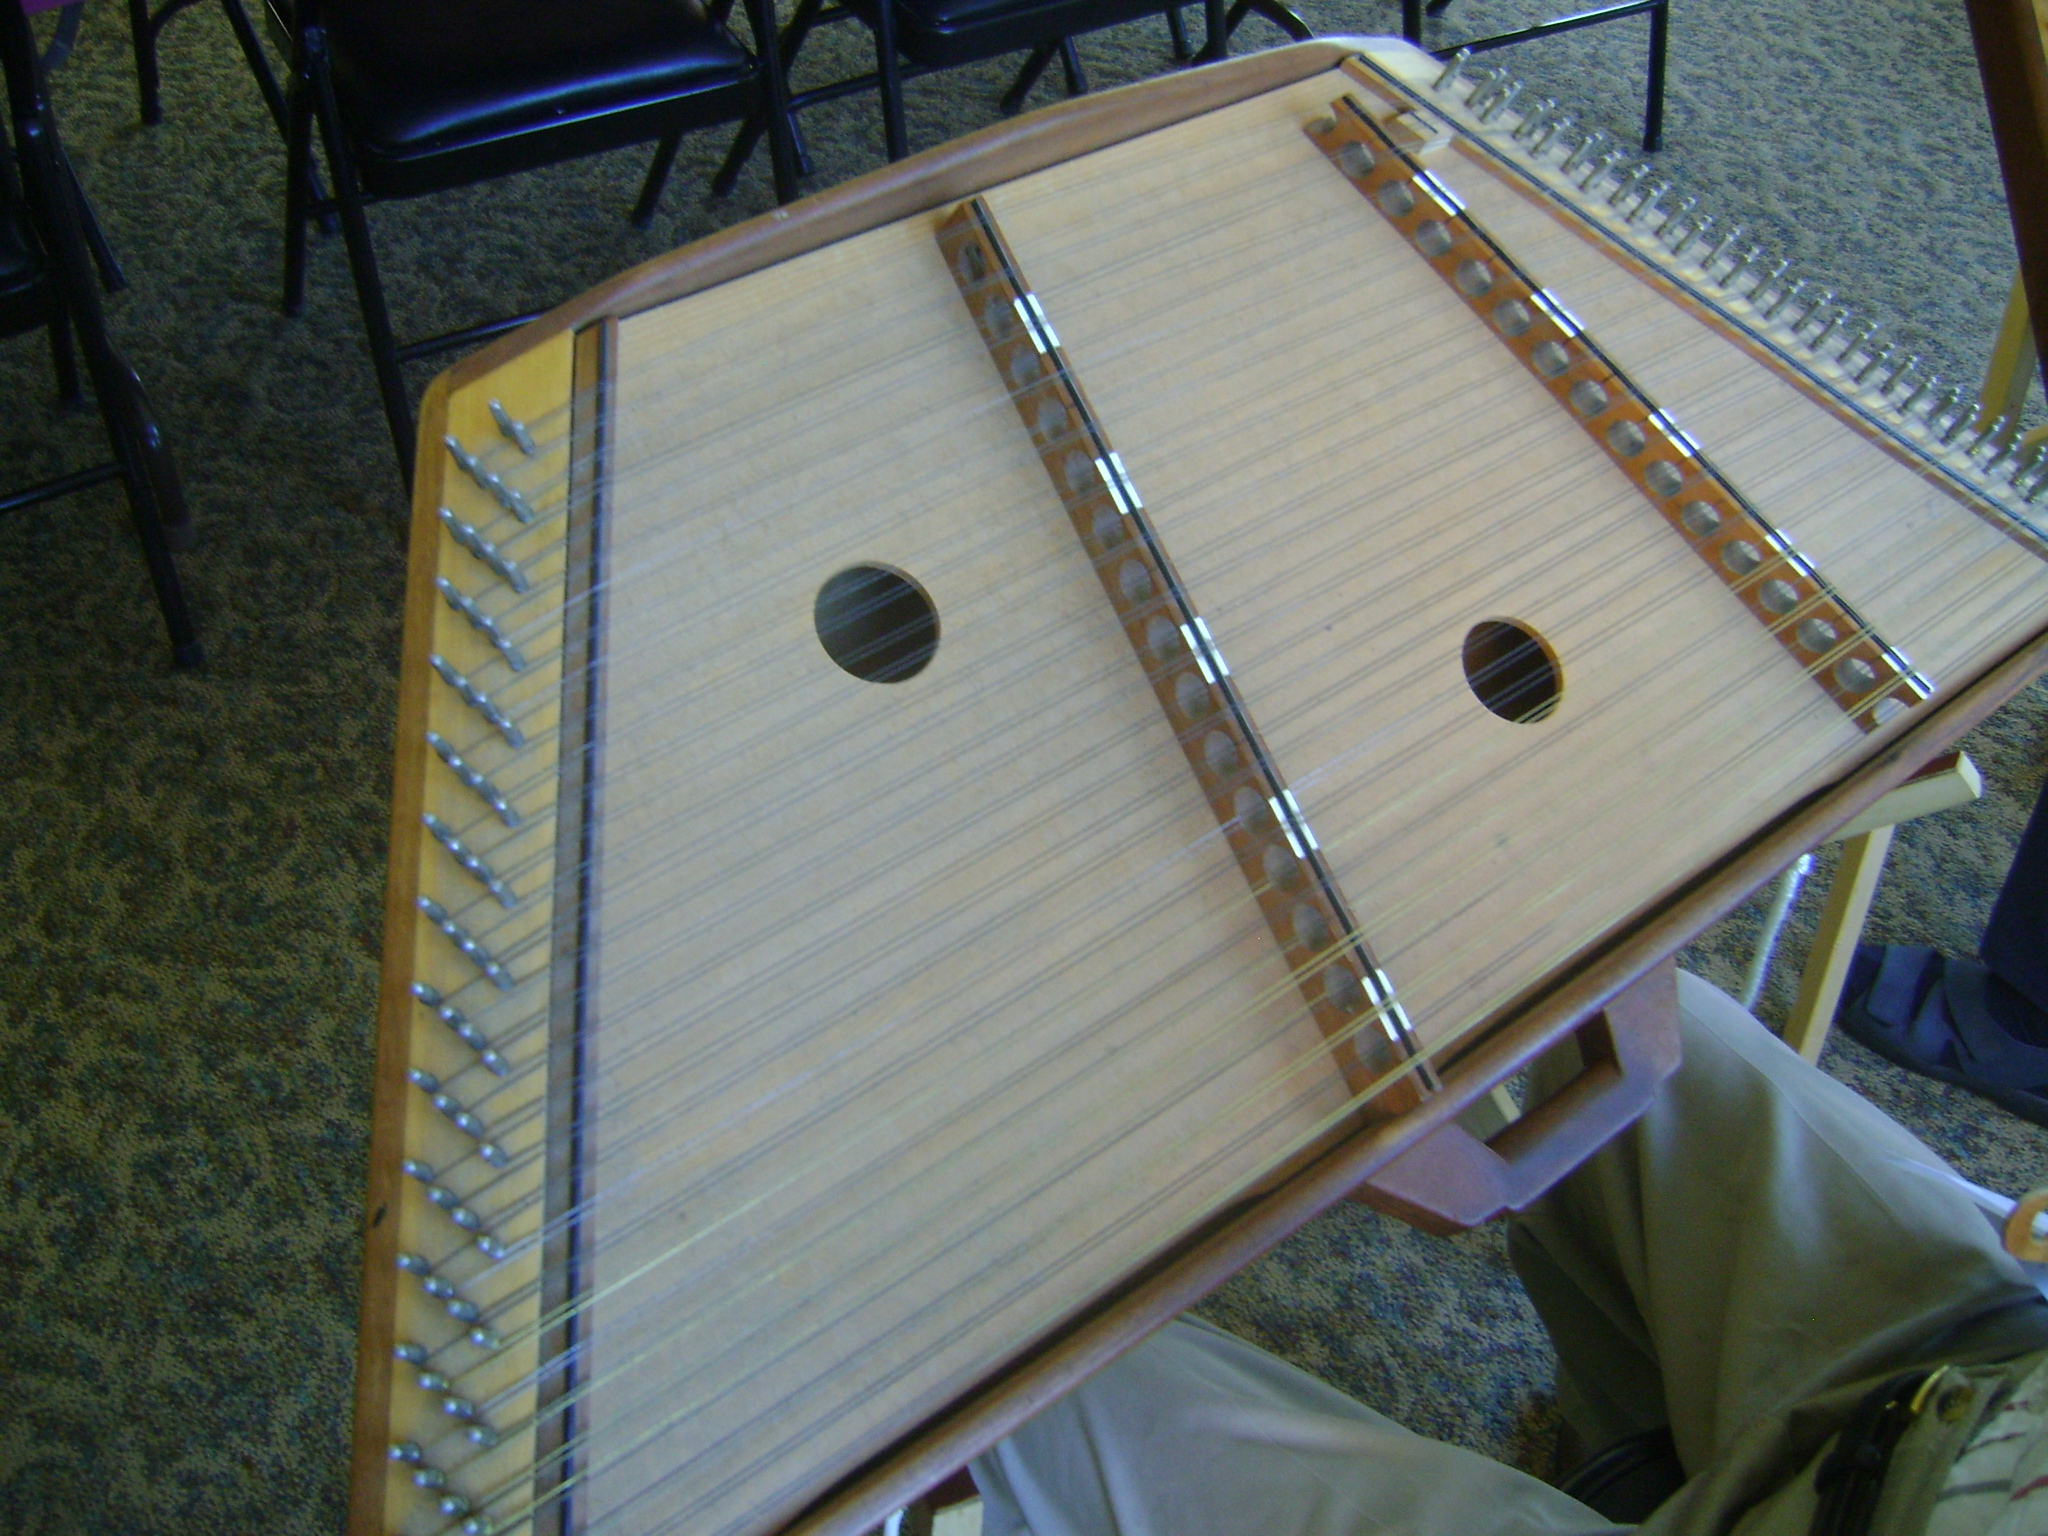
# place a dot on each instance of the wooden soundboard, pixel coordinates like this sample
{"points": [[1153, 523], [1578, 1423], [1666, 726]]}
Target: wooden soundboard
{"points": [[788, 1080]]}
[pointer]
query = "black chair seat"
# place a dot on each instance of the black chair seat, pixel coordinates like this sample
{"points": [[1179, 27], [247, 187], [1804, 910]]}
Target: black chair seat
{"points": [[416, 96], [440, 93], [941, 33]]}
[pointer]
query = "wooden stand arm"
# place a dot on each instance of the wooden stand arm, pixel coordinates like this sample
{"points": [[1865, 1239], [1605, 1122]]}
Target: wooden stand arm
{"points": [[1451, 1180]]}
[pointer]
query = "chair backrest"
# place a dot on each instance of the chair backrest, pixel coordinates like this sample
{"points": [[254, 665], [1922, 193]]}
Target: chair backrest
{"points": [[47, 199]]}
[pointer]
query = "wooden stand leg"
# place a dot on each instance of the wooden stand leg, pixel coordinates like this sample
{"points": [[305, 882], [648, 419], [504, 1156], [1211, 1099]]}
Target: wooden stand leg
{"points": [[1841, 926]]}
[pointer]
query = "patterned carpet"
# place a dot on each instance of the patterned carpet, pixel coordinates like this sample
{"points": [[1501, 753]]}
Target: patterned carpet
{"points": [[191, 866]]}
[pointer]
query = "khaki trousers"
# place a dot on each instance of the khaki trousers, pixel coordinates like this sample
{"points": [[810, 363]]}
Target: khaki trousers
{"points": [[1742, 1264]]}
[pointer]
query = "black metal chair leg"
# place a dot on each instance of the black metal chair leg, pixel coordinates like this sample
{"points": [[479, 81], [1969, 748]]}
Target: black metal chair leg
{"points": [[1070, 61], [785, 149], [56, 207], [743, 145], [298, 168], [142, 38], [889, 74], [362, 258], [64, 361], [1216, 19], [736, 158], [1027, 77], [153, 533], [657, 178], [167, 488], [1653, 105], [1176, 29], [259, 65], [1282, 16], [112, 278], [786, 48]]}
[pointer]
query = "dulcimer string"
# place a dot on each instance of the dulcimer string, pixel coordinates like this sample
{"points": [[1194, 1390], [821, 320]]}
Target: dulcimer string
{"points": [[1922, 551], [670, 1385], [1397, 807], [483, 738], [1315, 1055]]}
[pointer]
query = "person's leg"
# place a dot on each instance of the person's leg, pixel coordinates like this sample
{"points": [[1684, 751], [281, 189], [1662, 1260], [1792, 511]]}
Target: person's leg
{"points": [[1197, 1433], [1760, 1235], [1981, 1024], [2016, 939]]}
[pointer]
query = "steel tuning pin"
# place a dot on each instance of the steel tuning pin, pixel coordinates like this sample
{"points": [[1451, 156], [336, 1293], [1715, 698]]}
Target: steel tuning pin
{"points": [[1923, 391], [407, 1451], [513, 429], [1601, 168], [464, 1031], [1588, 146], [1534, 118], [1699, 229], [447, 1104], [501, 565], [1502, 100], [1562, 124], [1991, 432], [1766, 283], [1648, 203], [1786, 296], [1453, 70], [478, 700], [1721, 248], [481, 622], [1682, 209], [411, 1354], [505, 495], [1877, 360], [1945, 415], [1627, 182], [466, 943], [469, 860]]}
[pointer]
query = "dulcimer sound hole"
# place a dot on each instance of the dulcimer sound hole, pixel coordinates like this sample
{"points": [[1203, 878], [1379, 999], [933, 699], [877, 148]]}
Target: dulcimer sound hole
{"points": [[1512, 670], [876, 623]]}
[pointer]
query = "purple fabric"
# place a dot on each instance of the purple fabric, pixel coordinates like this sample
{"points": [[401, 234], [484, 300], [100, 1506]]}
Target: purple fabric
{"points": [[2016, 939]]}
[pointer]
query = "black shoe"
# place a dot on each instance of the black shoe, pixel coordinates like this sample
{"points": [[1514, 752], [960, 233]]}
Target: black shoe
{"points": [[1951, 1020]]}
